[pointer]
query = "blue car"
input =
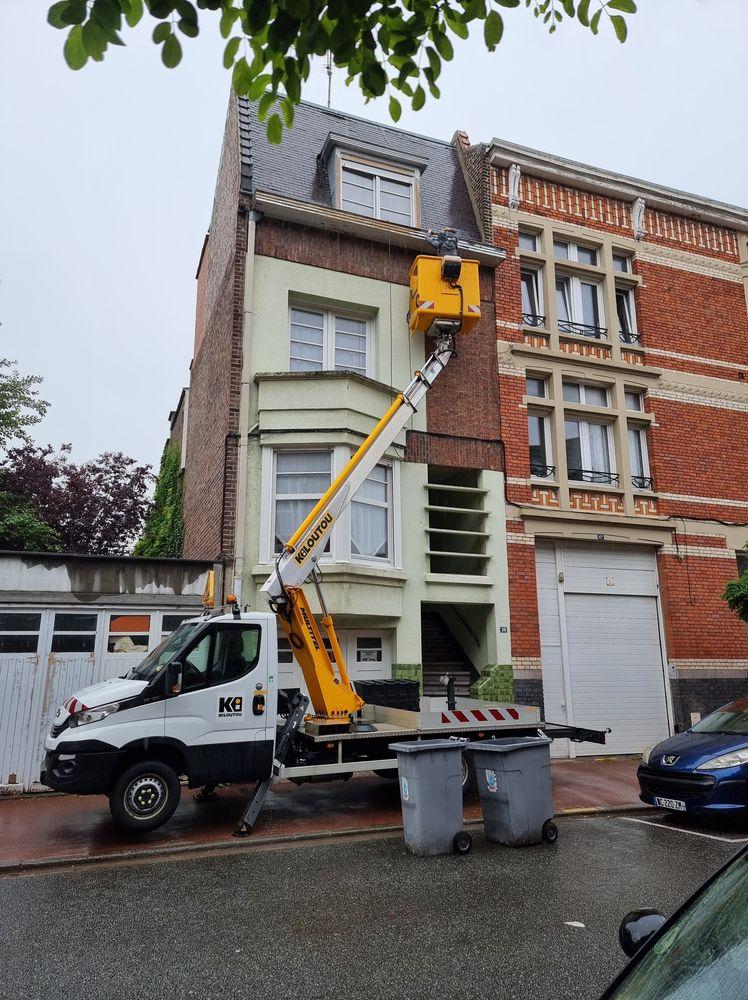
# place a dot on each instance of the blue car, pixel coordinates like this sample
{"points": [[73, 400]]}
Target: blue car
{"points": [[704, 770]]}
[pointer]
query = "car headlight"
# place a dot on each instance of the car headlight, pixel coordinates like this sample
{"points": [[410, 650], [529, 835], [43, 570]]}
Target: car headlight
{"points": [[88, 715], [646, 754], [733, 759]]}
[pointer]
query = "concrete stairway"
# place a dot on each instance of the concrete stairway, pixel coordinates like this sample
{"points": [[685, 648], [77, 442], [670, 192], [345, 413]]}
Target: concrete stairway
{"points": [[442, 654]]}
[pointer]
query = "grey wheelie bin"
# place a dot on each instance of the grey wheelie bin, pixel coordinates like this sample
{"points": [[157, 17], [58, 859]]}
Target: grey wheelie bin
{"points": [[430, 773], [514, 783]]}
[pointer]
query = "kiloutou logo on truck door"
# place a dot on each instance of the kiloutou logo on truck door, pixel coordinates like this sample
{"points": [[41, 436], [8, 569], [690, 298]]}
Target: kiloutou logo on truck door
{"points": [[231, 707]]}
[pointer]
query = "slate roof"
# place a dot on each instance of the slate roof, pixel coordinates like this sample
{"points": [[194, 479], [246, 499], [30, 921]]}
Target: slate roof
{"points": [[295, 170]]}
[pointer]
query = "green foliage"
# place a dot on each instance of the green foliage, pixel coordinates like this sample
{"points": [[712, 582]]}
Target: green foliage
{"points": [[21, 530], [20, 405], [270, 43], [736, 595], [163, 535]]}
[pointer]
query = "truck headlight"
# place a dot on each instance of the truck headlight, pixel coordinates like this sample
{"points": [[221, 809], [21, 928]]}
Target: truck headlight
{"points": [[733, 759], [93, 714], [645, 755]]}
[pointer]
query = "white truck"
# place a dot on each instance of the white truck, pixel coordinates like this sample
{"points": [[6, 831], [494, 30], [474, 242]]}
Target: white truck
{"points": [[205, 704]]}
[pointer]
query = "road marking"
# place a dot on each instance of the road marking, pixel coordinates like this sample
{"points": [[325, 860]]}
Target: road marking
{"points": [[693, 833]]}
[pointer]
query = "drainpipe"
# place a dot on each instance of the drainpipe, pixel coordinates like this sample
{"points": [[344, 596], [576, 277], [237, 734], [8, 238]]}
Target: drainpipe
{"points": [[244, 407]]}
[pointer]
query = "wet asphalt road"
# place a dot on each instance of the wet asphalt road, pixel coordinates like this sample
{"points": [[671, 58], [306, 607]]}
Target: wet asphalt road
{"points": [[356, 919]]}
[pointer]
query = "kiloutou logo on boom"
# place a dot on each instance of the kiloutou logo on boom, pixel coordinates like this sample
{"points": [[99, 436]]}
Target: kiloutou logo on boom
{"points": [[314, 537]]}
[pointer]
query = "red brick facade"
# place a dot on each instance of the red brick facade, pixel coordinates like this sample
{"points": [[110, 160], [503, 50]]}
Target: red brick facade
{"points": [[691, 315]]}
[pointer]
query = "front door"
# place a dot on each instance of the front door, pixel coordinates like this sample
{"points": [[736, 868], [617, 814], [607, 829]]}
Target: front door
{"points": [[220, 714]]}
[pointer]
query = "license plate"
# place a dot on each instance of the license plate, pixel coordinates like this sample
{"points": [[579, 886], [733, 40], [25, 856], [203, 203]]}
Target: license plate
{"points": [[676, 804]]}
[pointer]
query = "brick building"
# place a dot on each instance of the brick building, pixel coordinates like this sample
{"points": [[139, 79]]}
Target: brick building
{"points": [[564, 515], [300, 343], [622, 336]]}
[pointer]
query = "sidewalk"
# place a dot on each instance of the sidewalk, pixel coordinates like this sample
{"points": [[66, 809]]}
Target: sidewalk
{"points": [[56, 829]]}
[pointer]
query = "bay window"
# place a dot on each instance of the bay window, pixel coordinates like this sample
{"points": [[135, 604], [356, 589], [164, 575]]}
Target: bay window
{"points": [[293, 482], [370, 516], [301, 477], [328, 340], [589, 451]]}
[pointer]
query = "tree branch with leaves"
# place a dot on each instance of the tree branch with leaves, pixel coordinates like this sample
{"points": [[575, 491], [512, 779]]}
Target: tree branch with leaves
{"points": [[390, 47]]}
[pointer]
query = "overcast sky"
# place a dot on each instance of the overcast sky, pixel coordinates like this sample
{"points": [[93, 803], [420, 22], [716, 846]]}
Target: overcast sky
{"points": [[107, 175]]}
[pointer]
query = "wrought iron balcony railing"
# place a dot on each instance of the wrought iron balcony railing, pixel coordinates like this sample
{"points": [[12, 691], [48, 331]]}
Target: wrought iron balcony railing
{"points": [[542, 471], [594, 476], [583, 329], [533, 319], [627, 337], [642, 482]]}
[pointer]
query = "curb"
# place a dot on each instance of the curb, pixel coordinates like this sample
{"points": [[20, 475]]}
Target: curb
{"points": [[245, 844]]}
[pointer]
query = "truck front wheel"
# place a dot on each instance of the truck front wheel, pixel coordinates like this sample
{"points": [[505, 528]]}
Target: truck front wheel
{"points": [[144, 796]]}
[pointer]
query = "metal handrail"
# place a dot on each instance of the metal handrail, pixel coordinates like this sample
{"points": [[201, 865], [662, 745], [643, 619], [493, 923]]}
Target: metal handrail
{"points": [[583, 329], [642, 482], [542, 471], [628, 337], [533, 319], [594, 476]]}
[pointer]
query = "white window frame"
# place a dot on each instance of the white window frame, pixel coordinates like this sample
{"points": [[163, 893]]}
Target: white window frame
{"points": [[528, 233], [626, 258], [641, 431], [639, 393], [584, 437], [583, 387], [536, 272], [377, 560], [537, 378], [576, 311], [631, 308], [378, 172], [329, 315], [574, 251], [545, 416], [340, 539]]}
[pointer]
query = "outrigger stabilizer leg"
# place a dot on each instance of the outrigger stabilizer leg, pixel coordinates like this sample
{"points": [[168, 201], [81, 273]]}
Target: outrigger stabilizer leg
{"points": [[297, 711]]}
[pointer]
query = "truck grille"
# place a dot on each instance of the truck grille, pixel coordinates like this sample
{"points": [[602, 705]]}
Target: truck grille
{"points": [[674, 784]]}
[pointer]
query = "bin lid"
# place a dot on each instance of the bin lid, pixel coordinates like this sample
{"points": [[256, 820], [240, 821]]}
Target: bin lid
{"points": [[418, 746], [509, 743]]}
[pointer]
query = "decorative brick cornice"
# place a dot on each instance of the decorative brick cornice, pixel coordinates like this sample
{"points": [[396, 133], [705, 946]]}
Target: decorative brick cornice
{"points": [[682, 260], [678, 392]]}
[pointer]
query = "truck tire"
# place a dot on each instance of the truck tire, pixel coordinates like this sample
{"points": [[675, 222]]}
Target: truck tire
{"points": [[144, 796]]}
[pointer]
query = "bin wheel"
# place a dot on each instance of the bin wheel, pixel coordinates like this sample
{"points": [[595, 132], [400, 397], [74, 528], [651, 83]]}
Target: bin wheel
{"points": [[462, 843], [550, 832]]}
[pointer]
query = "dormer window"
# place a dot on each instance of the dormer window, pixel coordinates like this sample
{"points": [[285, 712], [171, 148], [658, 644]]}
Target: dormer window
{"points": [[378, 192]]}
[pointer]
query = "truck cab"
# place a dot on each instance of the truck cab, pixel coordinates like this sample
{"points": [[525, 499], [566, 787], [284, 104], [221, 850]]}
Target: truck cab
{"points": [[202, 705]]}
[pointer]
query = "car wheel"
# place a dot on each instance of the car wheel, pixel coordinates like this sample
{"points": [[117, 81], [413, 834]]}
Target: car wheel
{"points": [[145, 796]]}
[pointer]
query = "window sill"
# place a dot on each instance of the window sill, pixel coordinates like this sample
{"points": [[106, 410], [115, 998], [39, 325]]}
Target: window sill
{"points": [[333, 572], [579, 338], [540, 481]]}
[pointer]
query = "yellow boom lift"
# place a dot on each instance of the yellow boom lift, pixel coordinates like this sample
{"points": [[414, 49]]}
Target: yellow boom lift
{"points": [[444, 302]]}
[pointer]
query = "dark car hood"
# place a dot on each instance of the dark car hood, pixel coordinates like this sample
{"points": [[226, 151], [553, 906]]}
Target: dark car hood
{"points": [[694, 748]]}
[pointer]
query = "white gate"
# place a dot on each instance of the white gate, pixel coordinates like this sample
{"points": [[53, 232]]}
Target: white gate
{"points": [[48, 654]]}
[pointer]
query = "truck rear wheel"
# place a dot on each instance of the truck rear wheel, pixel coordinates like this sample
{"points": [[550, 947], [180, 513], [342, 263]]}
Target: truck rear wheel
{"points": [[145, 796]]}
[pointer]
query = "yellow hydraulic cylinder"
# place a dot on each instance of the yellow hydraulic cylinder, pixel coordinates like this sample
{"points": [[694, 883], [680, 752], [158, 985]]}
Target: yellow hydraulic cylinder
{"points": [[434, 296]]}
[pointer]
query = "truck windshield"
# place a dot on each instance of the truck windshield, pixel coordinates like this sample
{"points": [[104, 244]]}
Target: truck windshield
{"points": [[732, 718], [152, 665]]}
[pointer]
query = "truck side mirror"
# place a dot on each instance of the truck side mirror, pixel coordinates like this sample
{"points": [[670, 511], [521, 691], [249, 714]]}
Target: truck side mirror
{"points": [[637, 928], [173, 679]]}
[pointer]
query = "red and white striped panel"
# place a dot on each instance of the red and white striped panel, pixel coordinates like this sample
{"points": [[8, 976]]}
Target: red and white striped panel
{"points": [[479, 716]]}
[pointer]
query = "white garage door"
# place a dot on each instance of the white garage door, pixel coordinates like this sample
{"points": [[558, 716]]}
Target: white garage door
{"points": [[600, 644]]}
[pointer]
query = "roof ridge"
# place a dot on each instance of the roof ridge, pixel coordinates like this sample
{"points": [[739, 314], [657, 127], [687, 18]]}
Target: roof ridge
{"points": [[367, 121]]}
